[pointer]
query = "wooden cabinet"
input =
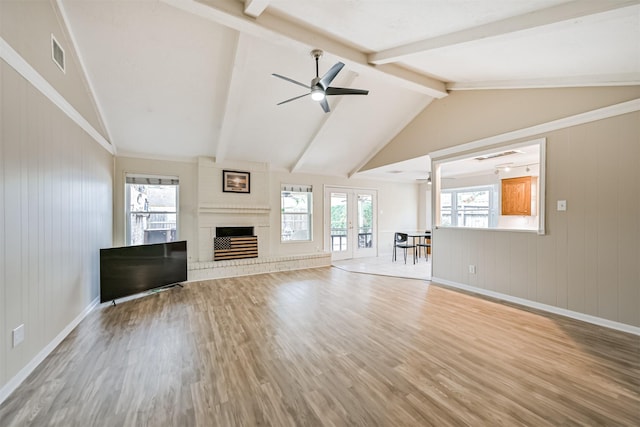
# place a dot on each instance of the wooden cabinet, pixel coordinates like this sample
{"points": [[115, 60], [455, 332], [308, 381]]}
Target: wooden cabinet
{"points": [[516, 196]]}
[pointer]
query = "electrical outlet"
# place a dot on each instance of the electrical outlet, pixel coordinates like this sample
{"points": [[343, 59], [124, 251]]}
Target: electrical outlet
{"points": [[18, 335], [472, 269], [562, 205]]}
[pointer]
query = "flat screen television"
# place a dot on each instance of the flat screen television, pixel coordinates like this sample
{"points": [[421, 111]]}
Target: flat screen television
{"points": [[130, 270]]}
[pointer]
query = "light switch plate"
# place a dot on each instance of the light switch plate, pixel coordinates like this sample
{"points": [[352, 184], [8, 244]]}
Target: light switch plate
{"points": [[562, 205], [18, 335]]}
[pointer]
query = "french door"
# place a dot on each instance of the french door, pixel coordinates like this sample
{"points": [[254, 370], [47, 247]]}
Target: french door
{"points": [[350, 222]]}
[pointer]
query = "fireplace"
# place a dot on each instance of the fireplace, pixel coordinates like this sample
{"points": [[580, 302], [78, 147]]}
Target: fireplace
{"points": [[234, 243], [234, 231]]}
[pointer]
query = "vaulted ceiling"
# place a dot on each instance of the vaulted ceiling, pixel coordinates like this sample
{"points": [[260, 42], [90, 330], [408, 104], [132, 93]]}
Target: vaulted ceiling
{"points": [[185, 78]]}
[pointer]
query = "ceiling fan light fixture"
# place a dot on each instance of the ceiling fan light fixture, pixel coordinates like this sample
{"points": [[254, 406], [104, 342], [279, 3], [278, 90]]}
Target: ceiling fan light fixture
{"points": [[320, 86], [317, 94]]}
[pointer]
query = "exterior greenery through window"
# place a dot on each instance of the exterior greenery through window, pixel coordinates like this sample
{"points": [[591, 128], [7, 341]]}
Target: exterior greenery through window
{"points": [[468, 207], [340, 221], [296, 208], [365, 220], [152, 209]]}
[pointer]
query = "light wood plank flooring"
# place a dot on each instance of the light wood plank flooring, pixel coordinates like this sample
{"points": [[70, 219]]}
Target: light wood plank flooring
{"points": [[330, 347]]}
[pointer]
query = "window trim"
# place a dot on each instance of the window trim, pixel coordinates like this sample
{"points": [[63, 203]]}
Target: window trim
{"points": [[297, 188], [479, 148]]}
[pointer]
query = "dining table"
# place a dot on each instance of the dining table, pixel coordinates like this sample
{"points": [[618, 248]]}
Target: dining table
{"points": [[418, 237]]}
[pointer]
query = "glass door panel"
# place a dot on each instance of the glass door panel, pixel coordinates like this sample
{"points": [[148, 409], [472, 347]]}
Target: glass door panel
{"points": [[338, 217], [365, 224], [350, 225]]}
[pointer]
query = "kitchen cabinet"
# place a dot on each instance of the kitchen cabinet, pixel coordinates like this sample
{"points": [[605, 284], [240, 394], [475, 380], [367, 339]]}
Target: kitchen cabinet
{"points": [[516, 196]]}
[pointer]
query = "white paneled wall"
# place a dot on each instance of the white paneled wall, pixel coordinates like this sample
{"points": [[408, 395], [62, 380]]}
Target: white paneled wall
{"points": [[589, 260], [55, 215]]}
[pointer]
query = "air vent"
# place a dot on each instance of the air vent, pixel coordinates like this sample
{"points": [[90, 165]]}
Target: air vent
{"points": [[495, 155], [57, 53]]}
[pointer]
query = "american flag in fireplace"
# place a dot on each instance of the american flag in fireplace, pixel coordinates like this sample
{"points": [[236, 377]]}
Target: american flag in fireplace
{"points": [[235, 247]]}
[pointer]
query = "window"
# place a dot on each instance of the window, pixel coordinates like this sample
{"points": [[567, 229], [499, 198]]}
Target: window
{"points": [[468, 207], [152, 209], [295, 206]]}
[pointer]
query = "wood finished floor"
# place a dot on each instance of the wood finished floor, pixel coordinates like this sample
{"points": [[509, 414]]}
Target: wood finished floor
{"points": [[330, 347]]}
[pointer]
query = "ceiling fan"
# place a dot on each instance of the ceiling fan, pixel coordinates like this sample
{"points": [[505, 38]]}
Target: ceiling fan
{"points": [[319, 88]]}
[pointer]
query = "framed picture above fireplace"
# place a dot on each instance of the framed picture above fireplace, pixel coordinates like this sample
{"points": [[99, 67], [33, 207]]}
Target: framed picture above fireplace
{"points": [[236, 182]]}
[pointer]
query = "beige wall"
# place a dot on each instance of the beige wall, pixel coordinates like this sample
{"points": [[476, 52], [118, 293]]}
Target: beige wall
{"points": [[55, 193], [27, 27], [55, 215], [589, 260], [466, 116]]}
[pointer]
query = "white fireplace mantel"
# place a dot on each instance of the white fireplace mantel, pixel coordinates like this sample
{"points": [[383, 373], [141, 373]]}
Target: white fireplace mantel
{"points": [[216, 208]]}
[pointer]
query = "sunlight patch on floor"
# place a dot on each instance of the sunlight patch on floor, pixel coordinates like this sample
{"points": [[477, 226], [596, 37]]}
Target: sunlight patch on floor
{"points": [[383, 266]]}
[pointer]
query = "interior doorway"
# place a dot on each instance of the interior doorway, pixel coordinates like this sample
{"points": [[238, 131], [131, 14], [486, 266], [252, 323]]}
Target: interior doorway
{"points": [[350, 222]]}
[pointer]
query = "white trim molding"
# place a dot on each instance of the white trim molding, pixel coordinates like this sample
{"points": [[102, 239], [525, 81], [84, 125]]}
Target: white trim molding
{"points": [[18, 63], [541, 197], [624, 79], [577, 119], [213, 208], [540, 306], [81, 62], [22, 375]]}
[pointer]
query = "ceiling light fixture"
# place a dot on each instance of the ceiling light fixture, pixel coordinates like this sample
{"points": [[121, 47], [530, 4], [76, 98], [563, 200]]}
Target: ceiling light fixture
{"points": [[317, 94], [504, 167]]}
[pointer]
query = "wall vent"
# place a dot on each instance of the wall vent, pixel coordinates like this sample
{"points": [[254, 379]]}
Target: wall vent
{"points": [[57, 53], [500, 154]]}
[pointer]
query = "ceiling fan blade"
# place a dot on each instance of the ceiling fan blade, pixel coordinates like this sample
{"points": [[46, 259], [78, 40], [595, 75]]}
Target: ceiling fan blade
{"points": [[345, 91], [326, 80], [325, 105], [293, 99], [290, 80]]}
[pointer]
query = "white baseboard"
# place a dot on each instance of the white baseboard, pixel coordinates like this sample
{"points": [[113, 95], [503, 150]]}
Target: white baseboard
{"points": [[544, 307], [17, 379]]}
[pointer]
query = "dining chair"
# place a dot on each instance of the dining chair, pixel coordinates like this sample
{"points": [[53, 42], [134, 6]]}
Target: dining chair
{"points": [[401, 240], [426, 244]]}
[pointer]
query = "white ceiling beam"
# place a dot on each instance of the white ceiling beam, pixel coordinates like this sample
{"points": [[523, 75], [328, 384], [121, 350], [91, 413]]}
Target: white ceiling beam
{"points": [[231, 104], [278, 30], [629, 79], [255, 8], [538, 18]]}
